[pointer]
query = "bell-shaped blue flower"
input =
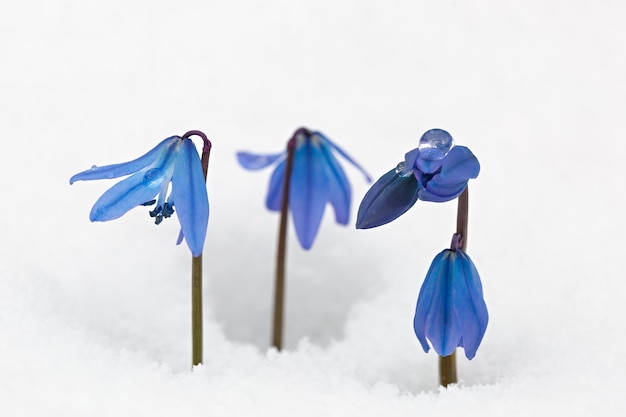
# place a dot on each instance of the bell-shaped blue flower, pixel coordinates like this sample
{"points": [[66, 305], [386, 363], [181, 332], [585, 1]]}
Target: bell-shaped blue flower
{"points": [[174, 160], [317, 178], [451, 311], [435, 171]]}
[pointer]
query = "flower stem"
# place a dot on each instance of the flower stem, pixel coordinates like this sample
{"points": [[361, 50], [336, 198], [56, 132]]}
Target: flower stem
{"points": [[279, 287], [447, 364], [196, 269], [196, 310]]}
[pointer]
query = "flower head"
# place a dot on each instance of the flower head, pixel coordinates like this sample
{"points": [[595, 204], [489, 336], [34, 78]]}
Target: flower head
{"points": [[451, 311], [173, 160], [317, 178], [435, 171]]}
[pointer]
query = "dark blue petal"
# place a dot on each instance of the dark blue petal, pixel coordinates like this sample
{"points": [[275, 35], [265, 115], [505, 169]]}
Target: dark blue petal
{"points": [[442, 325], [255, 161], [468, 301], [460, 164], [343, 154], [127, 194], [126, 168], [440, 191], [340, 191], [190, 196], [309, 191], [274, 197], [425, 300], [390, 197]]}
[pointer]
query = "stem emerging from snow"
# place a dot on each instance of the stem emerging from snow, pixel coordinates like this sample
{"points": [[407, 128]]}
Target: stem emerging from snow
{"points": [[279, 288], [447, 364], [196, 269]]}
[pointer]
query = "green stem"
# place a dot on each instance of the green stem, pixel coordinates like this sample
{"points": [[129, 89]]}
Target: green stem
{"points": [[196, 269], [279, 287], [447, 364], [196, 310]]}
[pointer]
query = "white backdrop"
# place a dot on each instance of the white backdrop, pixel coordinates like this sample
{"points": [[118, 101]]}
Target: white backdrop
{"points": [[94, 318]]}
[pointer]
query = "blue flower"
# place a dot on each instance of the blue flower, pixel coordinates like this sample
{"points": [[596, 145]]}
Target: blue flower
{"points": [[451, 311], [435, 171], [173, 160], [317, 178]]}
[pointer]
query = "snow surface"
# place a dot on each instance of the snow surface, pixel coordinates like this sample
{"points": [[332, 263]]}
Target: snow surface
{"points": [[95, 318]]}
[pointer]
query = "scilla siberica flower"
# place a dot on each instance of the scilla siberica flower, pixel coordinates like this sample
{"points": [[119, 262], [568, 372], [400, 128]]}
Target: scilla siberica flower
{"points": [[451, 311], [435, 171], [317, 178], [173, 160]]}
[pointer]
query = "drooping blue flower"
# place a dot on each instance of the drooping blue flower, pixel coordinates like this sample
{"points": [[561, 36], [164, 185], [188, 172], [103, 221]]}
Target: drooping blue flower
{"points": [[451, 311], [317, 178], [435, 171], [174, 160]]}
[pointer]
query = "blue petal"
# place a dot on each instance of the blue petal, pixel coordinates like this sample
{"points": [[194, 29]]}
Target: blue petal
{"points": [[390, 197], [460, 164], [309, 191], [254, 161], [410, 158], [341, 152], [425, 300], [340, 191], [127, 194], [190, 197], [468, 301], [274, 197], [126, 168], [442, 326]]}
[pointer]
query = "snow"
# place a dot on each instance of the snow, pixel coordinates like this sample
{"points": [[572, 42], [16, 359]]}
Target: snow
{"points": [[95, 317]]}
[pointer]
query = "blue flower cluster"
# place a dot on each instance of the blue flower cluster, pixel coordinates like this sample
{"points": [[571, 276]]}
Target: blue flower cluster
{"points": [[451, 311], [317, 179], [435, 171], [174, 160]]}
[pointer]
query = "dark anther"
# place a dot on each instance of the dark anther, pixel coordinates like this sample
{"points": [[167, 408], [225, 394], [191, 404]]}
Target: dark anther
{"points": [[168, 210], [148, 203], [156, 211], [158, 219]]}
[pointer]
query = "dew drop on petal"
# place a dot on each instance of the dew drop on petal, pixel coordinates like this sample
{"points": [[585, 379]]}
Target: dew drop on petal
{"points": [[152, 175], [435, 144], [400, 167], [94, 167]]}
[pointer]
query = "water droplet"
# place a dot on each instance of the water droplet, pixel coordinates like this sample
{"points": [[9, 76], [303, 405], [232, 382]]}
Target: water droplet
{"points": [[152, 175], [435, 144], [94, 167], [400, 167]]}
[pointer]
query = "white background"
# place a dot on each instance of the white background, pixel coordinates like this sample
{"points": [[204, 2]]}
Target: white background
{"points": [[95, 317]]}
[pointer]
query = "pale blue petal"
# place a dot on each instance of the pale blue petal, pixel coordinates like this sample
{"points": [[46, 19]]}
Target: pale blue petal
{"points": [[340, 191], [126, 168], [468, 301], [255, 161], [274, 197], [309, 191], [127, 194], [390, 197], [343, 154], [190, 197]]}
